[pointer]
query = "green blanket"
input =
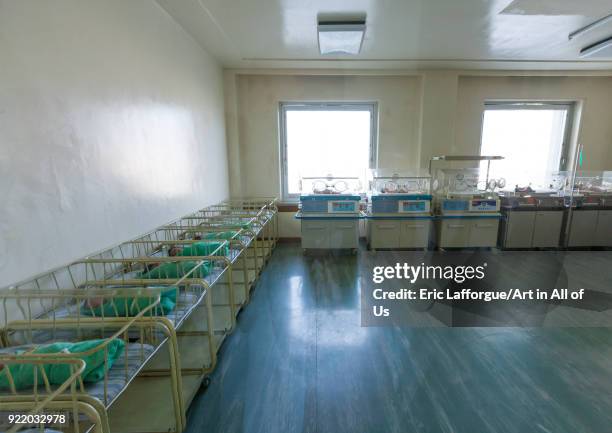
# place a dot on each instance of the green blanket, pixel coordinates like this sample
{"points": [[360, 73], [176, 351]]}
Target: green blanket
{"points": [[176, 270], [129, 307], [23, 374], [204, 249], [220, 235]]}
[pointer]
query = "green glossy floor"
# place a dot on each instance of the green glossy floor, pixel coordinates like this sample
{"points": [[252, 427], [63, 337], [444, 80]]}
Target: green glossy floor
{"points": [[299, 361]]}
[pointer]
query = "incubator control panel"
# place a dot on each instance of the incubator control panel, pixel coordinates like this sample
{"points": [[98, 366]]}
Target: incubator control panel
{"points": [[342, 206], [326, 204], [454, 206], [413, 206], [483, 205], [470, 205]]}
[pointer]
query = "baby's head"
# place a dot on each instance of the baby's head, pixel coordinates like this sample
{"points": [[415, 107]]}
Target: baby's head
{"points": [[174, 251]]}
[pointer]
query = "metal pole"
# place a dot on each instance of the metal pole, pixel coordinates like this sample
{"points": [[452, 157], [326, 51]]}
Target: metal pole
{"points": [[568, 221]]}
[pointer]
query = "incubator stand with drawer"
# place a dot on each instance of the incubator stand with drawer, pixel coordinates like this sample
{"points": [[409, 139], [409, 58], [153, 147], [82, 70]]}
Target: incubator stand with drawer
{"points": [[467, 207], [330, 212], [399, 215], [533, 214], [590, 216]]}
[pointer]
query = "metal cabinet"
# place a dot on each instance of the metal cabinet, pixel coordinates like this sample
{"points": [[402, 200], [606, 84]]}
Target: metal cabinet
{"points": [[532, 229], [591, 228], [454, 233], [398, 233], [518, 229], [483, 232], [343, 233], [547, 229], [468, 232], [315, 234], [582, 228], [414, 233], [330, 233], [384, 233], [603, 231]]}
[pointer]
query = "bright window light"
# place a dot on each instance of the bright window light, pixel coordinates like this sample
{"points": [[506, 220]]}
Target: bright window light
{"points": [[321, 140], [532, 140]]}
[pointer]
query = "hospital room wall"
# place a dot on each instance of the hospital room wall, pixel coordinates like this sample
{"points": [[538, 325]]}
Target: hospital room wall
{"points": [[593, 95], [257, 99], [421, 114], [111, 124]]}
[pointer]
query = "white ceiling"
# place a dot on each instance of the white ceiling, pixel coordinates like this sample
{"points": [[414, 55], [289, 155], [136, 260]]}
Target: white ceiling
{"points": [[489, 34]]}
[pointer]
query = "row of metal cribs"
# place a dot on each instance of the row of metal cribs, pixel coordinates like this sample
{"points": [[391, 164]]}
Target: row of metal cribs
{"points": [[154, 311]]}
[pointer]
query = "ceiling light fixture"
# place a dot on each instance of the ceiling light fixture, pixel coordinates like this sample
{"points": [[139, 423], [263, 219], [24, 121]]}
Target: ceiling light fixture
{"points": [[602, 48], [589, 27], [341, 37]]}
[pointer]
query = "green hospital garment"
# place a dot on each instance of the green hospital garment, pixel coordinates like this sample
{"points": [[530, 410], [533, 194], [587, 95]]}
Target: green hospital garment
{"points": [[175, 270], [23, 374], [220, 235], [129, 307], [204, 249]]}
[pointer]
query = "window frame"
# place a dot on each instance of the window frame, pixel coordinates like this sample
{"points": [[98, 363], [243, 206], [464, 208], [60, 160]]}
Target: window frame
{"points": [[371, 106], [569, 106]]}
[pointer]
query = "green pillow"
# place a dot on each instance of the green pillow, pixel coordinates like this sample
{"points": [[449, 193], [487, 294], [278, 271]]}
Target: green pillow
{"points": [[204, 249], [129, 307], [177, 270], [23, 374]]}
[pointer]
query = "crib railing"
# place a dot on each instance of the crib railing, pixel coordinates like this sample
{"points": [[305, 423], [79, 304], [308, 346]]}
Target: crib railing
{"points": [[172, 248], [30, 309], [44, 405], [121, 343]]}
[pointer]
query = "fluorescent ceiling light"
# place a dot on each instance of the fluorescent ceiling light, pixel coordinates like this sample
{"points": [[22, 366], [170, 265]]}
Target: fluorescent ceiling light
{"points": [[341, 37], [600, 49]]}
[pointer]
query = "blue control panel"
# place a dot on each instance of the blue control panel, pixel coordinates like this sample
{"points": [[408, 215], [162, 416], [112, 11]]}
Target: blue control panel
{"points": [[455, 205], [401, 203], [384, 206], [342, 206], [330, 203], [314, 206], [413, 206]]}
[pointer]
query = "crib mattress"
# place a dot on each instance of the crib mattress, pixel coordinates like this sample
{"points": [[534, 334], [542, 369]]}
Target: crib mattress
{"points": [[233, 254], [136, 355]]}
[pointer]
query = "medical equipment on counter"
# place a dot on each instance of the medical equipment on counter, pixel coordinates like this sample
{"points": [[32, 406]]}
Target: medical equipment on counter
{"points": [[397, 192], [533, 213], [330, 194], [330, 211], [463, 190], [467, 202], [399, 215]]}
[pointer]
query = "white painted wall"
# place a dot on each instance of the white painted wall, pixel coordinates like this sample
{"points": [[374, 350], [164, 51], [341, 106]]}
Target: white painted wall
{"points": [[257, 100], [421, 115], [595, 93], [111, 123]]}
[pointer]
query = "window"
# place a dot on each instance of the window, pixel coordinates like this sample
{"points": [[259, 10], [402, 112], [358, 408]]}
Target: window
{"points": [[318, 139], [532, 137]]}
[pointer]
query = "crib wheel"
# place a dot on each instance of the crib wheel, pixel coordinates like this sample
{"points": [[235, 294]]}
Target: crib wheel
{"points": [[206, 382]]}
